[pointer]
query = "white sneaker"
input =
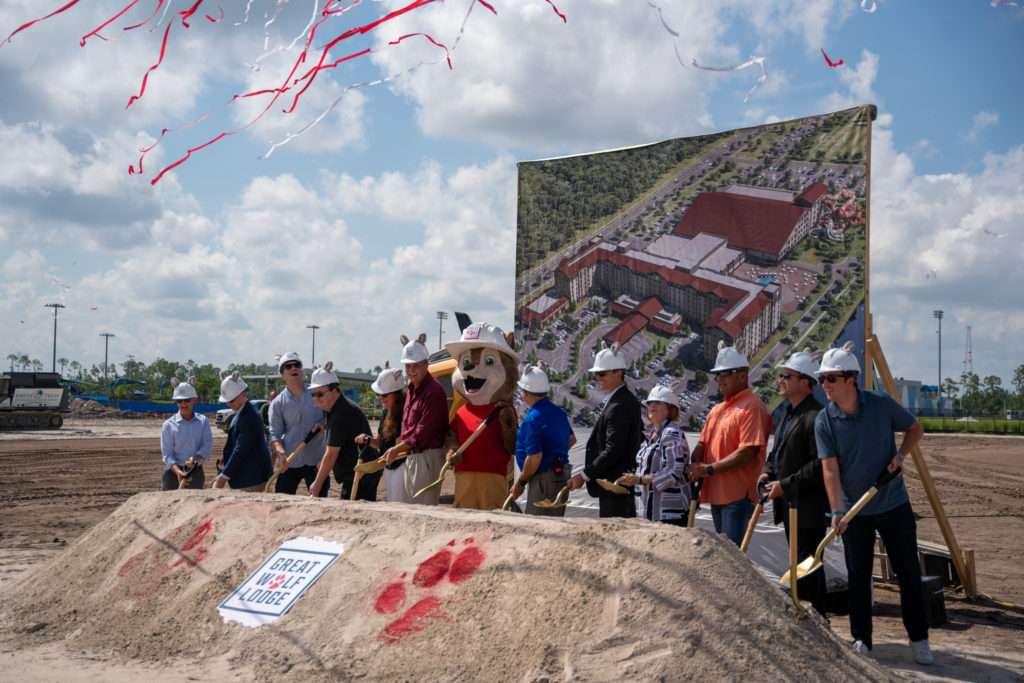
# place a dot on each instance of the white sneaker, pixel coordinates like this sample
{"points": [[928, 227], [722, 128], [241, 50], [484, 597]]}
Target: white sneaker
{"points": [[861, 648], [922, 652]]}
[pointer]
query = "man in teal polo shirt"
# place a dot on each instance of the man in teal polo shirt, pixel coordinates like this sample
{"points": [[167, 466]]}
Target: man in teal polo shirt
{"points": [[855, 435], [542, 445]]}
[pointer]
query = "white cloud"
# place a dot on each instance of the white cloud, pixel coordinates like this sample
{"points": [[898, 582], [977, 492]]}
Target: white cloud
{"points": [[979, 122], [946, 223]]}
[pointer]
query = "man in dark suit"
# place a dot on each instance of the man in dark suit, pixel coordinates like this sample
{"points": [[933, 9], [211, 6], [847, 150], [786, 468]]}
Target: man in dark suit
{"points": [[792, 472], [612, 447], [246, 461]]}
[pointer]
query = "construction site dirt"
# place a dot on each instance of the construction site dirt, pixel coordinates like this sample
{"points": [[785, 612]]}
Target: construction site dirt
{"points": [[54, 487]]}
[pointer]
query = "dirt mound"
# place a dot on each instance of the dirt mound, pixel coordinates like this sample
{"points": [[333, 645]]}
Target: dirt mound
{"points": [[423, 594], [90, 408]]}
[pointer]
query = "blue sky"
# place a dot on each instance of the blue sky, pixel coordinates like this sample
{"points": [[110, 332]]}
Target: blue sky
{"points": [[403, 201]]}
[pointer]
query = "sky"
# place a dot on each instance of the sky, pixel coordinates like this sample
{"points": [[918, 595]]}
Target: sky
{"points": [[401, 201]]}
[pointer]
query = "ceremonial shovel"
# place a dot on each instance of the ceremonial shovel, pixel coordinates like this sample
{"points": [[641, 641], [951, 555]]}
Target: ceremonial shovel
{"points": [[291, 458], [560, 500], [462, 449], [753, 522], [694, 502], [615, 487], [358, 475], [187, 474], [814, 563]]}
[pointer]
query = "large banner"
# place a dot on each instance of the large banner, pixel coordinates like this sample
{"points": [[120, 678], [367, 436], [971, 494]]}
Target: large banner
{"points": [[756, 236]]}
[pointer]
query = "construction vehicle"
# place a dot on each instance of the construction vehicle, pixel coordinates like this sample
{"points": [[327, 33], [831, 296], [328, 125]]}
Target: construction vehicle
{"points": [[32, 400]]}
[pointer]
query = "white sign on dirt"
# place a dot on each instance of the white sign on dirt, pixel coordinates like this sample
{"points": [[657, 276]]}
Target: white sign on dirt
{"points": [[278, 583]]}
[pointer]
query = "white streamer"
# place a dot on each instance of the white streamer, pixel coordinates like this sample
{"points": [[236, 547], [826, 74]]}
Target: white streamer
{"points": [[737, 67], [255, 66], [870, 10]]}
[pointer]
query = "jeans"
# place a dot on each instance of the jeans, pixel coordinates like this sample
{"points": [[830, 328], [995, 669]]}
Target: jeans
{"points": [[732, 519], [289, 480], [169, 480], [898, 530]]}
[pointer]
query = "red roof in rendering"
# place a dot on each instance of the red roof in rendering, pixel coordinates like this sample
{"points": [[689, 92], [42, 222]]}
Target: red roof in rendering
{"points": [[745, 222], [812, 193], [624, 331]]}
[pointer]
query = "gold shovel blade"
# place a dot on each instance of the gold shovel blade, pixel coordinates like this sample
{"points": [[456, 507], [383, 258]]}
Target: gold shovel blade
{"points": [[805, 568], [371, 467], [440, 478], [560, 500], [613, 488]]}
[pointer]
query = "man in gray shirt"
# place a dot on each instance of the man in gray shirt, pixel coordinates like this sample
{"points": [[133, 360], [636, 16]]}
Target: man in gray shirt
{"points": [[292, 415]]}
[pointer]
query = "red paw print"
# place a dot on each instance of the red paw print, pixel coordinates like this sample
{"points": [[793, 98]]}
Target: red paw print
{"points": [[447, 563]]}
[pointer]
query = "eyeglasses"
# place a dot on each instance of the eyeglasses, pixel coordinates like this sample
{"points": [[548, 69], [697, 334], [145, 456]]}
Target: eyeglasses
{"points": [[318, 394], [602, 373], [788, 376], [830, 379], [727, 373], [292, 365]]}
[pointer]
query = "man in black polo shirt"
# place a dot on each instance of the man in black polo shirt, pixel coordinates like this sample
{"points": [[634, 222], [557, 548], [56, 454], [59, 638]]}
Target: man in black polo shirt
{"points": [[792, 472], [344, 422]]}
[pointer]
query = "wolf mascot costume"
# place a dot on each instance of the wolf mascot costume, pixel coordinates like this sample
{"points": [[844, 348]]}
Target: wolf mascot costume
{"points": [[485, 376]]}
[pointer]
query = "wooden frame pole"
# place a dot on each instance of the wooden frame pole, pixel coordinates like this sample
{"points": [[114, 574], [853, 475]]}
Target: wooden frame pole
{"points": [[873, 349]]}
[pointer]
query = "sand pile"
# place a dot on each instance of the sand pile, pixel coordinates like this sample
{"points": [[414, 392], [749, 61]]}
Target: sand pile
{"points": [[423, 594], [90, 408]]}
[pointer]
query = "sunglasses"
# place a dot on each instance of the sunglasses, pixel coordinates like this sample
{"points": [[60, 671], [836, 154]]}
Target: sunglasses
{"points": [[291, 365], [788, 376], [318, 394], [728, 373], [831, 379], [179, 401], [601, 374]]}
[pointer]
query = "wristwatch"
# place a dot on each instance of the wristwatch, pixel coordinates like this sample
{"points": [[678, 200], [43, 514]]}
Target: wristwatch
{"points": [[709, 470]]}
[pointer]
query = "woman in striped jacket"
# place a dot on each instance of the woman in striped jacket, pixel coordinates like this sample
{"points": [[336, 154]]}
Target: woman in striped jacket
{"points": [[660, 486]]}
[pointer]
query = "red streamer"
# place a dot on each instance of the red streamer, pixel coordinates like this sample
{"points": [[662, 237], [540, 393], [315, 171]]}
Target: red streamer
{"points": [[36, 21], [111, 20], [447, 54], [488, 6], [145, 78], [159, 4], [560, 15], [829, 61]]}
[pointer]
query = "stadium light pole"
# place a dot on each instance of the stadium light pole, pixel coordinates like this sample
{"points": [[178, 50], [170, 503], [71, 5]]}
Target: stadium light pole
{"points": [[55, 307], [441, 317], [106, 351], [312, 359], [937, 314]]}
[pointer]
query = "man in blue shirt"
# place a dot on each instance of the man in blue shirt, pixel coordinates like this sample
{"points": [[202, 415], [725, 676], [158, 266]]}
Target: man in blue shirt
{"points": [[856, 443], [542, 445], [185, 442], [293, 414]]}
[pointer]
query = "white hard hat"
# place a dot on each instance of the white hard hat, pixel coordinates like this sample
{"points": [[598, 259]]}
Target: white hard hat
{"points": [[289, 357], [324, 376], [534, 380], [662, 394], [231, 386], [185, 390], [414, 351], [610, 358], [842, 359], [729, 359], [802, 362], [481, 335], [388, 381]]}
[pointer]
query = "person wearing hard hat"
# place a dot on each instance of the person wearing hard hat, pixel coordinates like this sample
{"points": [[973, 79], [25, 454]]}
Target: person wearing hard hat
{"points": [[792, 473], [543, 441], [659, 481], [344, 421], [185, 441], [390, 389], [293, 414], [246, 455], [732, 446], [424, 425], [855, 436], [616, 437]]}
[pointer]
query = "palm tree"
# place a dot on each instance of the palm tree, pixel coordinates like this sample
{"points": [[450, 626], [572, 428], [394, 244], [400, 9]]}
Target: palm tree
{"points": [[37, 365], [12, 357], [24, 361], [76, 368], [62, 362]]}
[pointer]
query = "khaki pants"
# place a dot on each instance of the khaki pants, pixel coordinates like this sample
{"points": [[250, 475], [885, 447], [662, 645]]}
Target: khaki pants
{"points": [[394, 485], [480, 490], [545, 486], [421, 469]]}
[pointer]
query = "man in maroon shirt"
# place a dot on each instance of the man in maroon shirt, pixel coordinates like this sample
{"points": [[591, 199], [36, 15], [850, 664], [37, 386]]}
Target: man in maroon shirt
{"points": [[424, 425]]}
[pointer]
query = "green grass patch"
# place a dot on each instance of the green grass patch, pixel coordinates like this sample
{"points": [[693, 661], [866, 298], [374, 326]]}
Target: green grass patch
{"points": [[980, 425]]}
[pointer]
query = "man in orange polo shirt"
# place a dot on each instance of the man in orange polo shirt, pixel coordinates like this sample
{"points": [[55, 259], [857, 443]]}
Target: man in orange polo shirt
{"points": [[732, 446]]}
